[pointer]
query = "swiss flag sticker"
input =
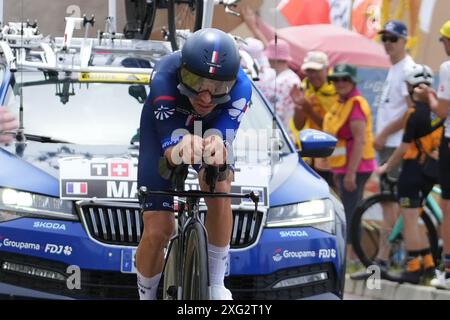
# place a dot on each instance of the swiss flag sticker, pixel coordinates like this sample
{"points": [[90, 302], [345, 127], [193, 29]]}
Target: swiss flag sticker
{"points": [[119, 169]]}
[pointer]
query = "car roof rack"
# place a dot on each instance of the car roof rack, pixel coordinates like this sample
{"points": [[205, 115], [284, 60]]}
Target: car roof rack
{"points": [[19, 39]]}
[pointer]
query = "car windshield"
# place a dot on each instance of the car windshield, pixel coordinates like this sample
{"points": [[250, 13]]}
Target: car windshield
{"points": [[107, 114]]}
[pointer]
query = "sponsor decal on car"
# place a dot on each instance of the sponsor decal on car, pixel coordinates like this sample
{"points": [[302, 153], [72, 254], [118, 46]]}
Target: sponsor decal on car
{"points": [[21, 245], [114, 77], [327, 253], [115, 179], [58, 249], [49, 225], [293, 234], [281, 254]]}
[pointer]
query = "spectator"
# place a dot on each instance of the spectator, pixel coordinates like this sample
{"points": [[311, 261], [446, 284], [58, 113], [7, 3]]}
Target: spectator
{"points": [[255, 48], [278, 91], [7, 124], [350, 120], [313, 99], [392, 108]]}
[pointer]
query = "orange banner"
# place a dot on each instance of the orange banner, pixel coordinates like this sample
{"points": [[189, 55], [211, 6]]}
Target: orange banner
{"points": [[301, 12], [366, 18]]}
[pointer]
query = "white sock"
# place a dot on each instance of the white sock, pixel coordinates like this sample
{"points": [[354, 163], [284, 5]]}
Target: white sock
{"points": [[147, 287], [217, 259]]}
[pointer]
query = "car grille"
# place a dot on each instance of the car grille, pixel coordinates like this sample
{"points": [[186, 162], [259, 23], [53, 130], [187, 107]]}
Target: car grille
{"points": [[121, 224]]}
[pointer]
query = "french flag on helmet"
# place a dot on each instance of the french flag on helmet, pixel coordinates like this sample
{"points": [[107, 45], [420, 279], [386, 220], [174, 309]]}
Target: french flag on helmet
{"points": [[214, 60]]}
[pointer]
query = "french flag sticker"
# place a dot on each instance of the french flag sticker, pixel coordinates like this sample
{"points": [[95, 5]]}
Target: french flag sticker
{"points": [[76, 187], [214, 59]]}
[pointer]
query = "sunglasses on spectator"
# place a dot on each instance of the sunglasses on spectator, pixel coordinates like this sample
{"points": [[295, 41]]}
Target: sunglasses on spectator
{"points": [[386, 38], [341, 79]]}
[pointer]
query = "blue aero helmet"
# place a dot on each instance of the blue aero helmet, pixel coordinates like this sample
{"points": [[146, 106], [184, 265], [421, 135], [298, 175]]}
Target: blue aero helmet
{"points": [[209, 62]]}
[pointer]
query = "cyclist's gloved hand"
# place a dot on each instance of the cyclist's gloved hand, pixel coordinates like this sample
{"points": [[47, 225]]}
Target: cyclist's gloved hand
{"points": [[214, 153], [188, 151]]}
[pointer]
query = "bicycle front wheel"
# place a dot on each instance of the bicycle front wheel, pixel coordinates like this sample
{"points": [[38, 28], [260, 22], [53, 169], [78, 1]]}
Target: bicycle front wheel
{"points": [[366, 233], [183, 15], [195, 269]]}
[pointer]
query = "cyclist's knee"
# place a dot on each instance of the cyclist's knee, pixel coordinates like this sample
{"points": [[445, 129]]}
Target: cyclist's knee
{"points": [[158, 228]]}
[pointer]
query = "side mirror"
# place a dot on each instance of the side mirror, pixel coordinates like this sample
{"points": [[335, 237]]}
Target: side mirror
{"points": [[316, 144]]}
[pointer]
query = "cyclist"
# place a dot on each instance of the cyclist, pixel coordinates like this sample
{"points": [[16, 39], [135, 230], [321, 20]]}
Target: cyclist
{"points": [[198, 97], [421, 138], [441, 105], [7, 123]]}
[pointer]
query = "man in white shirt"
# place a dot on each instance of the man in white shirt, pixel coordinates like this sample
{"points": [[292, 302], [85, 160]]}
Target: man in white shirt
{"points": [[393, 105]]}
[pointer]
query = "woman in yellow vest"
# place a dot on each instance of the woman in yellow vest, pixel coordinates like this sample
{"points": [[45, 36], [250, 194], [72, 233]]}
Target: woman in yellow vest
{"points": [[350, 121], [315, 97], [421, 139]]}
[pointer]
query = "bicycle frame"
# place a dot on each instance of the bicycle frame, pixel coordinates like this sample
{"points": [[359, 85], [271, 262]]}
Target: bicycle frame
{"points": [[186, 220], [430, 204]]}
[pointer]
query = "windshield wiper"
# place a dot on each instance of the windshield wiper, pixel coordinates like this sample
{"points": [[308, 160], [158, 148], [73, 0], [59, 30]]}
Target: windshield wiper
{"points": [[44, 139]]}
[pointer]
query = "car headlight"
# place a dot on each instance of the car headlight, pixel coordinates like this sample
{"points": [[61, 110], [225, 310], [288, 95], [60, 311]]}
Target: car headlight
{"points": [[314, 213], [14, 204]]}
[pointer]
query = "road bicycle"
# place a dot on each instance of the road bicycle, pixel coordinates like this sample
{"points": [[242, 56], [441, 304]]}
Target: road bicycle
{"points": [[366, 227], [183, 17], [186, 275]]}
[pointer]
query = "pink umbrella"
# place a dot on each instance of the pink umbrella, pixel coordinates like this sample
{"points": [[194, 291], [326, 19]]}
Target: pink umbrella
{"points": [[341, 45]]}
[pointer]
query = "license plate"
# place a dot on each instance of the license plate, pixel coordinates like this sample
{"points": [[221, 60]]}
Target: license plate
{"points": [[128, 261]]}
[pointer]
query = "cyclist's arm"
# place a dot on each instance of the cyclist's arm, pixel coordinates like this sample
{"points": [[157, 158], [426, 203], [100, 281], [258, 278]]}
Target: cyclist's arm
{"points": [[407, 139], [397, 156], [439, 106]]}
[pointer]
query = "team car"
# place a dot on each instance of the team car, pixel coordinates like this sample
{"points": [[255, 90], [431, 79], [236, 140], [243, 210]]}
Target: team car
{"points": [[70, 221]]}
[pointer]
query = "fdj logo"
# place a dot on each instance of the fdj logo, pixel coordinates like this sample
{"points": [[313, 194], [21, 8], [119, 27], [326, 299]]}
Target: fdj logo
{"points": [[58, 249], [327, 253]]}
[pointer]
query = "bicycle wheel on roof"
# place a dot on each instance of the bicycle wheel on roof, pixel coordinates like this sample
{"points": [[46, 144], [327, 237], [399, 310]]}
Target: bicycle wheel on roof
{"points": [[183, 15]]}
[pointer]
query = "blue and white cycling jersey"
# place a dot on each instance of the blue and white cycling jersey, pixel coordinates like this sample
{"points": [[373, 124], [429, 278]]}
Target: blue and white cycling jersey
{"points": [[167, 115]]}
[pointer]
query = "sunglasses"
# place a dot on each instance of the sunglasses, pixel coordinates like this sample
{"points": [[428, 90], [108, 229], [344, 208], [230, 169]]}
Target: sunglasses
{"points": [[386, 38], [341, 79]]}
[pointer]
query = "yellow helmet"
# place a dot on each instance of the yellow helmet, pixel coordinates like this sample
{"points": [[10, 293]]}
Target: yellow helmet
{"points": [[445, 30]]}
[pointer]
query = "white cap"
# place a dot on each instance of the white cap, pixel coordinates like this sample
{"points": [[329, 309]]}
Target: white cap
{"points": [[315, 60]]}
